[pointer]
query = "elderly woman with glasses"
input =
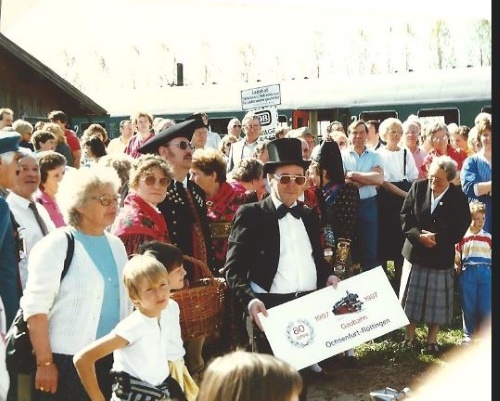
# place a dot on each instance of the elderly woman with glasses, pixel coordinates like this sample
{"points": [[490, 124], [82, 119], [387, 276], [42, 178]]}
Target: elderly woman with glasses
{"points": [[65, 314], [139, 220], [435, 216]]}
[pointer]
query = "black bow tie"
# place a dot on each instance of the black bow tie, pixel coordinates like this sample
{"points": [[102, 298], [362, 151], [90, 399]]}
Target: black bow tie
{"points": [[295, 211]]}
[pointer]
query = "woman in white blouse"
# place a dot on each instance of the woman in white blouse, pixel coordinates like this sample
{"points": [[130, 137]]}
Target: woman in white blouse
{"points": [[65, 315], [399, 171]]}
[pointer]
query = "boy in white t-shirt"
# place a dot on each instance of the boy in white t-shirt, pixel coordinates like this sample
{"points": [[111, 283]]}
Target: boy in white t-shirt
{"points": [[171, 257], [139, 343]]}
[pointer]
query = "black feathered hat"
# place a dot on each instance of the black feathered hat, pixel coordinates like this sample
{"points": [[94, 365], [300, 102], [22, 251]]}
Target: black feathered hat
{"points": [[328, 156]]}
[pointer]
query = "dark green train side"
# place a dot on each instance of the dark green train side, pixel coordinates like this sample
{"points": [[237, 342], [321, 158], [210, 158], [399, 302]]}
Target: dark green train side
{"points": [[457, 96]]}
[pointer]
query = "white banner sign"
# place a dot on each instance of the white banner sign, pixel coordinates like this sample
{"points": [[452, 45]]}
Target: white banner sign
{"points": [[261, 97], [329, 321]]}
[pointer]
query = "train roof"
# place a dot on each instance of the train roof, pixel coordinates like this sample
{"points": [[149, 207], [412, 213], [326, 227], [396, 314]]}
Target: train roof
{"points": [[432, 86]]}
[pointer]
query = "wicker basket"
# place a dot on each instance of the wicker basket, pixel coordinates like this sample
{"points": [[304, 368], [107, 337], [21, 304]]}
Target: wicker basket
{"points": [[202, 304]]}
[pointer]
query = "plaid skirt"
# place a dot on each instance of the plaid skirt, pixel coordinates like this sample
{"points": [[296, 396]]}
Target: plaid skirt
{"points": [[427, 295]]}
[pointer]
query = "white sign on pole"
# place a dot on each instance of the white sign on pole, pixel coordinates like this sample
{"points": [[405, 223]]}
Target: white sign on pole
{"points": [[268, 121], [263, 96]]}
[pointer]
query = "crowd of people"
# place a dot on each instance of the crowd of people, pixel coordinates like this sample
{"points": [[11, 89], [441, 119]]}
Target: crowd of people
{"points": [[276, 219]]}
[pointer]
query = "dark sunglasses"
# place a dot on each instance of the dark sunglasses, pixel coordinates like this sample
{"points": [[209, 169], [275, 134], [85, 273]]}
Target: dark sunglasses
{"points": [[106, 200], [151, 180], [286, 179], [236, 126], [183, 145]]}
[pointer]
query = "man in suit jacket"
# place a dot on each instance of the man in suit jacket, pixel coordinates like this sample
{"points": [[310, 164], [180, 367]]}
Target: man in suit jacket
{"points": [[244, 148], [266, 267]]}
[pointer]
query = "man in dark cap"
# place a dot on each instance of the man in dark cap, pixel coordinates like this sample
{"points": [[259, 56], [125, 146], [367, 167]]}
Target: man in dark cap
{"points": [[185, 211], [10, 284], [274, 253]]}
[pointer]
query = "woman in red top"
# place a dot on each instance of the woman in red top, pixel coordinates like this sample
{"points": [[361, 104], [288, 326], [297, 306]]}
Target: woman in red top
{"points": [[139, 220], [440, 140], [208, 170]]}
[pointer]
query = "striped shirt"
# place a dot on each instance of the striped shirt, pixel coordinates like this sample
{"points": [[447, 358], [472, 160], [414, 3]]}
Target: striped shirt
{"points": [[474, 249]]}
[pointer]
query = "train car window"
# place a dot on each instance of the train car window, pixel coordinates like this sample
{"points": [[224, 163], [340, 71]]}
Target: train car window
{"points": [[450, 115], [282, 119], [378, 115], [486, 109]]}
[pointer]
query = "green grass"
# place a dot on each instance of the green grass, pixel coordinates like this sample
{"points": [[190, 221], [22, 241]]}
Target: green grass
{"points": [[388, 348]]}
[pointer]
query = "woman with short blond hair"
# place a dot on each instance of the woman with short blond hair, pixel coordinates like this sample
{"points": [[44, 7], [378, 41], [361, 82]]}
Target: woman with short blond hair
{"points": [[66, 314]]}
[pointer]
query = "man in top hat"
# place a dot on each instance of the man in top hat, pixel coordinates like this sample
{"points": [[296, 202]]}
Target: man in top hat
{"points": [[266, 267], [184, 210], [10, 284]]}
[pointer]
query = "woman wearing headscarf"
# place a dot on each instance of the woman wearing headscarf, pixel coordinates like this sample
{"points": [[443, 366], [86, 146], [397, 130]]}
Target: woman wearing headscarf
{"points": [[139, 220]]}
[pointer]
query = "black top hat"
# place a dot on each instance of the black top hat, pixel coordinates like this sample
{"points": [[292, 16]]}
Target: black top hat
{"points": [[284, 151], [183, 129], [328, 156]]}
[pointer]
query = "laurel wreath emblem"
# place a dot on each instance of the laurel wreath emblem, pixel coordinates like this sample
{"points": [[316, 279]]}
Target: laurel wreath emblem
{"points": [[301, 342]]}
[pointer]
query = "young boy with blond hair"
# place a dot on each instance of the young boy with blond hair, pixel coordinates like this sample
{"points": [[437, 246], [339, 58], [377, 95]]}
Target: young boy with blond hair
{"points": [[139, 342], [473, 264]]}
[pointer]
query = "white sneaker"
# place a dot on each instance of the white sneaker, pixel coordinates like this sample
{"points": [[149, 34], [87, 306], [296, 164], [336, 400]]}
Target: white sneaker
{"points": [[466, 341]]}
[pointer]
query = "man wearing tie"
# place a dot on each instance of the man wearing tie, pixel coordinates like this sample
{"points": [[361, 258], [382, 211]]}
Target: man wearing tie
{"points": [[32, 218], [274, 253], [185, 212]]}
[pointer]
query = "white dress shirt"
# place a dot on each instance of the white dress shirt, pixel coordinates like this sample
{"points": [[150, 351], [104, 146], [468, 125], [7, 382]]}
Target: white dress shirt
{"points": [[296, 267], [213, 140], [29, 229]]}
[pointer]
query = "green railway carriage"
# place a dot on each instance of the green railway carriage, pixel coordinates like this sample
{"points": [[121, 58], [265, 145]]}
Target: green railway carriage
{"points": [[455, 95]]}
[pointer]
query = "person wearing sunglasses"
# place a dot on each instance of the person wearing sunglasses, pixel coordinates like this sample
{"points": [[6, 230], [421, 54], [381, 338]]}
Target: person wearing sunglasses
{"points": [[274, 253], [139, 220], [225, 146], [185, 212], [234, 128], [245, 148], [66, 315]]}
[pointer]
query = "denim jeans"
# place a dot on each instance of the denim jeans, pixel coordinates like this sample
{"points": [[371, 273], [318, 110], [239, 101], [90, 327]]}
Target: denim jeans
{"points": [[475, 296], [365, 245]]}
